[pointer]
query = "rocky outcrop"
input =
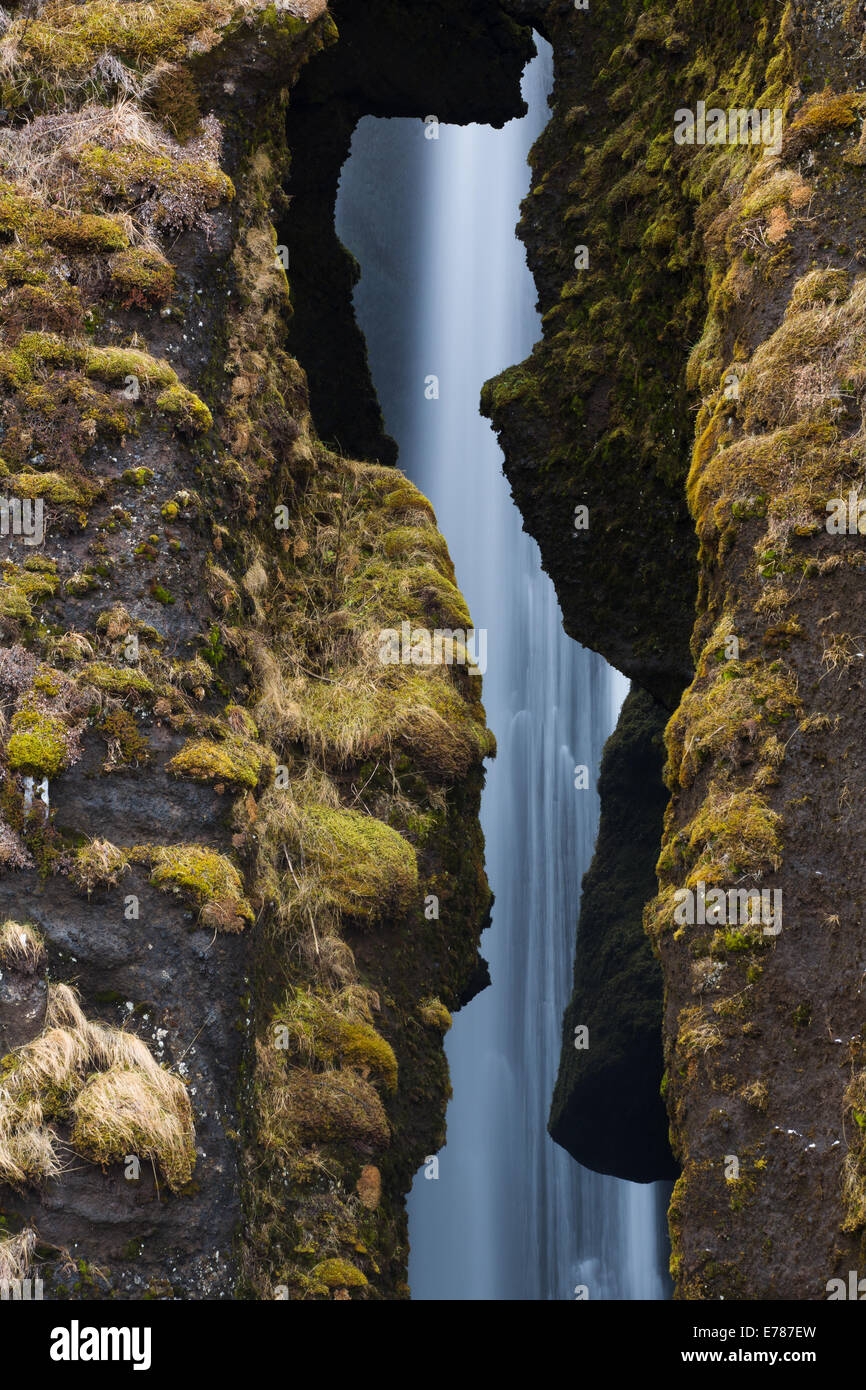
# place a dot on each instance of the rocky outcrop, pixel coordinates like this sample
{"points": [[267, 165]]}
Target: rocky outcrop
{"points": [[607, 1110], [458, 63], [724, 277], [598, 416], [242, 872]]}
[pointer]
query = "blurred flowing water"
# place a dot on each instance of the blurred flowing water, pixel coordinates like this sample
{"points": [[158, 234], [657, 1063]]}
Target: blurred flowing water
{"points": [[445, 292]]}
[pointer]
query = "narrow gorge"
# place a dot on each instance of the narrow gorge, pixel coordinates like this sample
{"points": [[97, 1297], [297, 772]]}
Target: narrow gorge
{"points": [[331, 969]]}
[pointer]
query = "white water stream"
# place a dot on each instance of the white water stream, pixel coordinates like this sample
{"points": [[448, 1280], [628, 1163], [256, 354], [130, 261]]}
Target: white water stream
{"points": [[445, 292]]}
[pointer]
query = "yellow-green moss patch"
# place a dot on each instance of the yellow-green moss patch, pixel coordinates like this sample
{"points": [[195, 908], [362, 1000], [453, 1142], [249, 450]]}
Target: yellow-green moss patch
{"points": [[235, 763], [338, 1274], [39, 743], [332, 1033], [204, 876], [435, 1014], [116, 680], [367, 870]]}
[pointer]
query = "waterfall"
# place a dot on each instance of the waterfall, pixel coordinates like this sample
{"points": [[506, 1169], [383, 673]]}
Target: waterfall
{"points": [[445, 292]]}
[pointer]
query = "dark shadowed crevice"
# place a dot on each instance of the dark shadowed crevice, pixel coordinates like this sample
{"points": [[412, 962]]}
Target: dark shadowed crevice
{"points": [[392, 60]]}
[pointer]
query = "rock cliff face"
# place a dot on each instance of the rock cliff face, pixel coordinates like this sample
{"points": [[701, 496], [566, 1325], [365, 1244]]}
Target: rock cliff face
{"points": [[606, 1107], [242, 873], [724, 278]]}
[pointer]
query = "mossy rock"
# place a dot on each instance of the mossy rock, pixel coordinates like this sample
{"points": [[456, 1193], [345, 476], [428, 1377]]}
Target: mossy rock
{"points": [[733, 834], [116, 680], [369, 871], [419, 709], [338, 1274], [39, 743], [98, 865], [185, 408], [435, 1015], [143, 278], [319, 1028], [54, 487], [204, 876], [233, 762], [65, 39], [331, 1107]]}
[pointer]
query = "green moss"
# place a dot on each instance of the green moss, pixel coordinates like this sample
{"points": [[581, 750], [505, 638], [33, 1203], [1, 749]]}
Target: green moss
{"points": [[34, 350], [323, 1029], [213, 650], [185, 408], [35, 585], [24, 265], [116, 680], [27, 217], [47, 681], [80, 584], [407, 498], [134, 168], [204, 876], [54, 487], [417, 593], [820, 114], [338, 1274], [734, 941], [137, 477], [238, 764], [419, 710], [127, 747], [782, 186], [14, 605], [174, 99], [39, 743], [65, 39], [403, 542], [143, 278], [727, 707], [368, 870], [114, 365], [733, 834], [435, 1014]]}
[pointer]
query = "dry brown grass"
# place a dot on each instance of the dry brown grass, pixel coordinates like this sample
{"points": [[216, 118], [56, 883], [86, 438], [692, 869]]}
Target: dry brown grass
{"points": [[853, 1192], [46, 1079], [841, 650], [16, 1256], [50, 157], [21, 947], [98, 865], [132, 1110], [697, 1032]]}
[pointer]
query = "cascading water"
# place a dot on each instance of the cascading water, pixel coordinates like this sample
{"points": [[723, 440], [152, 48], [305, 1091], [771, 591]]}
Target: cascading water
{"points": [[511, 1215]]}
